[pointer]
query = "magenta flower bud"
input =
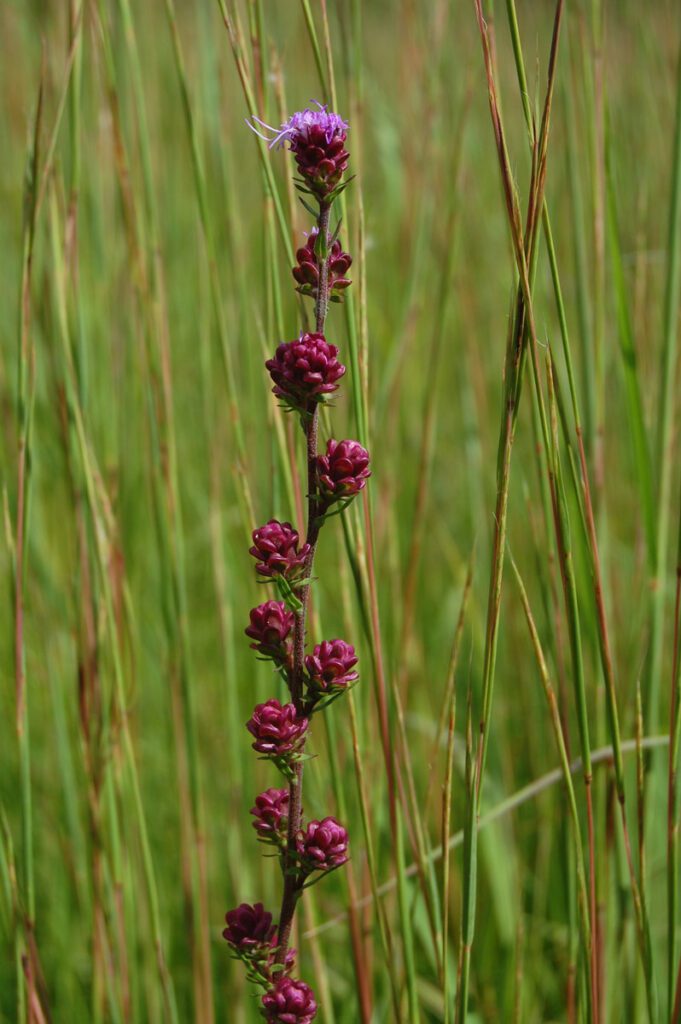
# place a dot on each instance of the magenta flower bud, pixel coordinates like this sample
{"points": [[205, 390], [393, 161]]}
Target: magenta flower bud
{"points": [[330, 666], [323, 845], [271, 815], [306, 272], [276, 546], [343, 471], [270, 626], [249, 928], [277, 729], [305, 370], [317, 141], [289, 1002]]}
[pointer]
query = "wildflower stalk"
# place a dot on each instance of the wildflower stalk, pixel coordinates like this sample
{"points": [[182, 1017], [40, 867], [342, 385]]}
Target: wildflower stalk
{"points": [[305, 372], [292, 888]]}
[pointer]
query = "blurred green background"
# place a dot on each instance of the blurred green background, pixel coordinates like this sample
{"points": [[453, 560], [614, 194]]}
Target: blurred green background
{"points": [[157, 281]]}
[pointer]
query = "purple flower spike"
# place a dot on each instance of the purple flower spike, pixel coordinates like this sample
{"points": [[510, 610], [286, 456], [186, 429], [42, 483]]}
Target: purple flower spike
{"points": [[277, 729], [323, 845], [276, 546], [305, 370], [306, 272], [271, 815], [270, 626], [343, 471], [289, 1002], [330, 666], [317, 141], [249, 928]]}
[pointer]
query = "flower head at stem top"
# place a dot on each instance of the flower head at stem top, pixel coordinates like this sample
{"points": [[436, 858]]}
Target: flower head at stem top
{"points": [[317, 141]]}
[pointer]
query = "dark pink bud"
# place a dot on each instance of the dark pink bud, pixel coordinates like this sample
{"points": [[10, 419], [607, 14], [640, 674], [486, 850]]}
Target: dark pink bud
{"points": [[249, 928], [306, 273], [270, 626], [271, 815], [276, 546], [330, 665], [305, 370], [322, 845], [289, 1002], [276, 728], [343, 471]]}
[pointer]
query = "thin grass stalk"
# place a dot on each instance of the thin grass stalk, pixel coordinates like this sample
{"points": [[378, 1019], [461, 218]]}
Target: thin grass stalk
{"points": [[589, 521], [383, 924], [672, 782], [580, 261], [94, 717], [524, 248], [583, 897], [101, 516], [446, 818], [209, 241], [319, 63], [632, 387], [565, 557], [413, 1015], [416, 830], [430, 405], [26, 375], [236, 43], [152, 303], [449, 712], [665, 419], [597, 124], [470, 861]]}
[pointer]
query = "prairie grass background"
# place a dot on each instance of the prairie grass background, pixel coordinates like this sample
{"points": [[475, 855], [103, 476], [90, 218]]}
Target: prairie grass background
{"points": [[144, 277]]}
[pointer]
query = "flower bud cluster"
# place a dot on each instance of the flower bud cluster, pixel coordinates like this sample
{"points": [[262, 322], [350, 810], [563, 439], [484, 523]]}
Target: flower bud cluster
{"points": [[304, 373], [308, 265]]}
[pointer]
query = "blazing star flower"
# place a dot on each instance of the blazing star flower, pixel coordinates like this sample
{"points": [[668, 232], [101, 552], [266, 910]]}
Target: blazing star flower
{"points": [[277, 729], [249, 928], [343, 471], [276, 546], [289, 1002], [269, 627], [330, 666], [317, 141], [306, 271], [305, 370], [323, 845], [271, 815]]}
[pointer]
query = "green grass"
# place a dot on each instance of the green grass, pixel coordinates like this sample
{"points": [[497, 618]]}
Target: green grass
{"points": [[506, 349]]}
